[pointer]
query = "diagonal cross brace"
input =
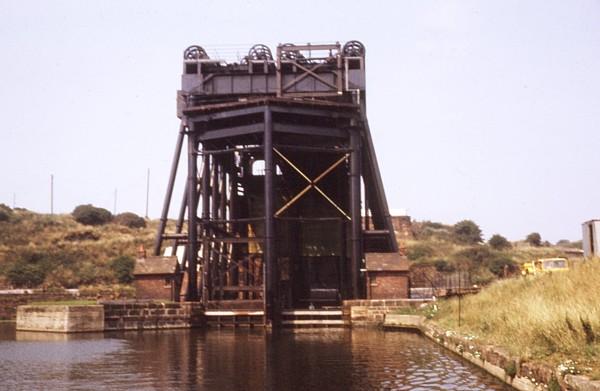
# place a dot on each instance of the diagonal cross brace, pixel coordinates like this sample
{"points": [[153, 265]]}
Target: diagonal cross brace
{"points": [[308, 72], [312, 184]]}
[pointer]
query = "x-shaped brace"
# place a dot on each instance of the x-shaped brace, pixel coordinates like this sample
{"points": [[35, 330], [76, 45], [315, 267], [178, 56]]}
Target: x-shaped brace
{"points": [[312, 184]]}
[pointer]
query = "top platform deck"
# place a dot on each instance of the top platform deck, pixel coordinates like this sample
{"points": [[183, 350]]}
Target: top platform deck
{"points": [[325, 72]]}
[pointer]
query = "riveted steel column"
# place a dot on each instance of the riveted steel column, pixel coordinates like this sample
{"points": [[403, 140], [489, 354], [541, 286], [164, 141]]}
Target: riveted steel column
{"points": [[192, 250], [270, 261], [355, 233], [205, 231]]}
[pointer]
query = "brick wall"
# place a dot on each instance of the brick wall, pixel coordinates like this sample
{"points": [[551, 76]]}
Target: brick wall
{"points": [[388, 285], [152, 287], [151, 315]]}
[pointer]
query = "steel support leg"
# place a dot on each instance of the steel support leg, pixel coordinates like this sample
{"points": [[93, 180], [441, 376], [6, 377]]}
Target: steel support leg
{"points": [[192, 251], [205, 231], [167, 202], [270, 264], [355, 235]]}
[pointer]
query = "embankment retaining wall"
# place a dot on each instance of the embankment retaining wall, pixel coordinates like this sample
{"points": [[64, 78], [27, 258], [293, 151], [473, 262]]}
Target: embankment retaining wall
{"points": [[524, 376], [151, 315]]}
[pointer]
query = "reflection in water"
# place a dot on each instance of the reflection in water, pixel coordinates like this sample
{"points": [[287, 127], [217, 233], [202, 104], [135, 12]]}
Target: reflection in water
{"points": [[232, 360]]}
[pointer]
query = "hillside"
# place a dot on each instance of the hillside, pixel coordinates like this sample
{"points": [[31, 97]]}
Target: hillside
{"points": [[56, 250], [450, 248]]}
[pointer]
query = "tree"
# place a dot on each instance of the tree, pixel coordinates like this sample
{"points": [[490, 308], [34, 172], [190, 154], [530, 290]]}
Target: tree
{"points": [[91, 215], [499, 242], [466, 232], [534, 239], [122, 267]]}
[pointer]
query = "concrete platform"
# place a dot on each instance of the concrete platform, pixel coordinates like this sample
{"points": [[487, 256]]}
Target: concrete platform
{"points": [[60, 318]]}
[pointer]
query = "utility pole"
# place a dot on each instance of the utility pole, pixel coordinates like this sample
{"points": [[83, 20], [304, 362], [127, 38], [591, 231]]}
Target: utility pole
{"points": [[147, 190], [115, 203], [14, 200], [51, 194]]}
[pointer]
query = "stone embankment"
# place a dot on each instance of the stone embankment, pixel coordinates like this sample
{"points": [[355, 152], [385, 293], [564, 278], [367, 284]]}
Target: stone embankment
{"points": [[524, 376], [119, 315], [109, 316]]}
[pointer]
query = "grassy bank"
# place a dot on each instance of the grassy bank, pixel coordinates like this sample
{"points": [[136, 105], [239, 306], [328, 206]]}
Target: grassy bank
{"points": [[553, 318], [57, 251]]}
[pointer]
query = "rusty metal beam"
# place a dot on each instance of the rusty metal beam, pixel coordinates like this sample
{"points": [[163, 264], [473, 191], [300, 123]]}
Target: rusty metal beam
{"points": [[192, 250], [167, 202]]}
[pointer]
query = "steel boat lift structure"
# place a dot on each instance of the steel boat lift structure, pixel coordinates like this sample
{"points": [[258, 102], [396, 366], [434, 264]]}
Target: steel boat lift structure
{"points": [[279, 159]]}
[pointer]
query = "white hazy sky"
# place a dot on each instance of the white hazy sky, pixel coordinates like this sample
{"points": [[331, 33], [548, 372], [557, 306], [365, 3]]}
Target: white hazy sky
{"points": [[486, 110]]}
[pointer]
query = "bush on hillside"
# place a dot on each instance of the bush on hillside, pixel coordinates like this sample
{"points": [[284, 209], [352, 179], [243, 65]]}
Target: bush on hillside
{"points": [[5, 213], [429, 229], [499, 242], [22, 274], [476, 255], [122, 267], [499, 265], [419, 251], [534, 239], [91, 215], [466, 232], [443, 266], [130, 220]]}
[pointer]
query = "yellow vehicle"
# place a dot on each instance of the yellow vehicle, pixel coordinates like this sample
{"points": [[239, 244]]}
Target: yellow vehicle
{"points": [[544, 265]]}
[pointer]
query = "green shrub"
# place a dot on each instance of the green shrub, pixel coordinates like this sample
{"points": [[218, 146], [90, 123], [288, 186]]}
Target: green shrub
{"points": [[419, 251], [476, 255], [554, 385], [5, 213], [26, 275], [122, 267], [466, 232], [482, 276], [510, 369], [443, 266], [91, 215], [534, 239], [130, 220], [497, 264], [499, 242]]}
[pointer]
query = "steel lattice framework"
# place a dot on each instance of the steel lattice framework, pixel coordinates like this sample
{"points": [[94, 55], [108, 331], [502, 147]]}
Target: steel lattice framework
{"points": [[277, 149]]}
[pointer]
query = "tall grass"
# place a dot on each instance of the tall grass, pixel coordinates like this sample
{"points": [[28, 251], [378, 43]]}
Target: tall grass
{"points": [[554, 316]]}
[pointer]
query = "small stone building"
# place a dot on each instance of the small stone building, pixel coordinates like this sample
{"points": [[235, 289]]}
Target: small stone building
{"points": [[387, 276], [157, 278]]}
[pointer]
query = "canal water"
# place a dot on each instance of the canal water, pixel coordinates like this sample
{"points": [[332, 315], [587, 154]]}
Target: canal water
{"points": [[232, 360]]}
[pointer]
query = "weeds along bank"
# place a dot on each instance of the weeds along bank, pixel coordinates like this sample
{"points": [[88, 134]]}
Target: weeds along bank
{"points": [[553, 318]]}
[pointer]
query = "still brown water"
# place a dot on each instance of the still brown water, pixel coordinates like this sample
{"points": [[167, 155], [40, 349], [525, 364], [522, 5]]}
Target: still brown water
{"points": [[232, 360]]}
